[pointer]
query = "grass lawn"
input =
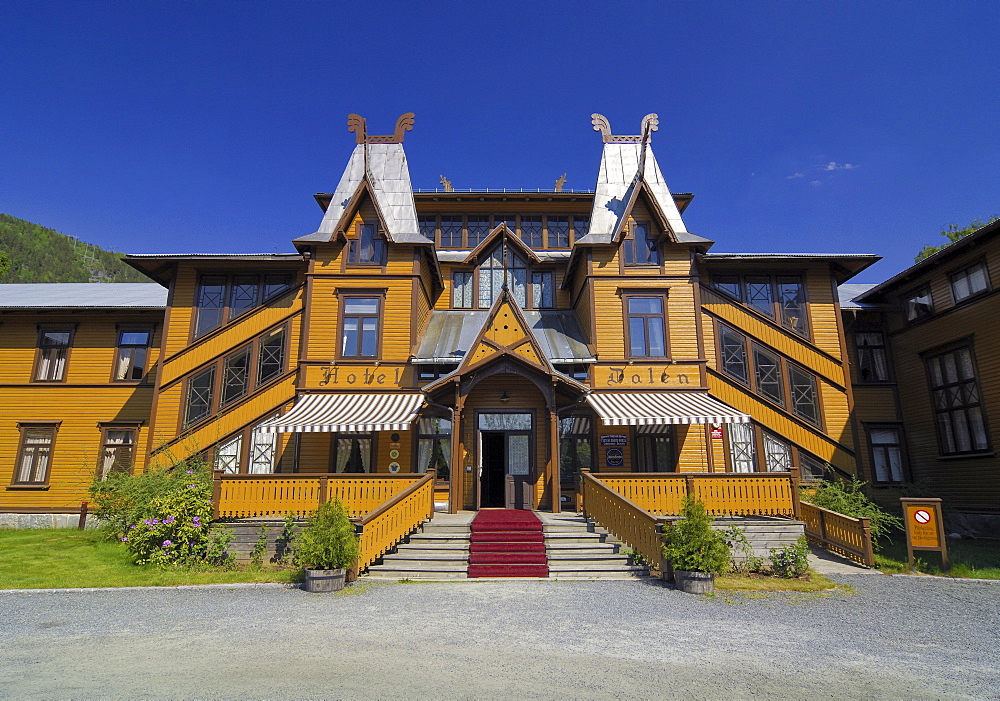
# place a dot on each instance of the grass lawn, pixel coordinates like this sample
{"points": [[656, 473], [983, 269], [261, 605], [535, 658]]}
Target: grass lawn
{"points": [[976, 559], [61, 558], [813, 581]]}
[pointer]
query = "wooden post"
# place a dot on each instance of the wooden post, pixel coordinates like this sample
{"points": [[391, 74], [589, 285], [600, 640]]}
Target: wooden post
{"points": [[666, 569], [822, 525], [554, 474], [689, 485], [433, 480], [867, 544], [581, 504], [796, 503], [216, 493], [83, 516], [323, 489], [457, 468], [354, 570]]}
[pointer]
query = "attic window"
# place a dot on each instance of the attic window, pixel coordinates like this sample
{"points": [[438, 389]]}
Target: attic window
{"points": [[640, 247], [369, 247]]}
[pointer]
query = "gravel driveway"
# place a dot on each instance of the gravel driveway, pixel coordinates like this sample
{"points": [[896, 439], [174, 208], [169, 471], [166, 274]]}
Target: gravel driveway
{"points": [[893, 637]]}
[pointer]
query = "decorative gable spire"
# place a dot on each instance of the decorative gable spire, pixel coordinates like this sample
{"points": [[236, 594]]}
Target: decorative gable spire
{"points": [[649, 124], [357, 124]]}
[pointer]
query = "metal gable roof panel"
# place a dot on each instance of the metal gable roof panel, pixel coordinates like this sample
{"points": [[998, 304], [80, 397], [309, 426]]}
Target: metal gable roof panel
{"points": [[83, 295]]}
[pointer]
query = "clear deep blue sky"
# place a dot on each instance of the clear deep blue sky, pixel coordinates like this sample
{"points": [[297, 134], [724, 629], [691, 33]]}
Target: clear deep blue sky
{"points": [[207, 126]]}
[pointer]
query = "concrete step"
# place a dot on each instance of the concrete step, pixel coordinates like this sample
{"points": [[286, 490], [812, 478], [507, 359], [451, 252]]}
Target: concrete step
{"points": [[442, 530], [436, 547], [428, 556], [596, 558], [597, 568]]}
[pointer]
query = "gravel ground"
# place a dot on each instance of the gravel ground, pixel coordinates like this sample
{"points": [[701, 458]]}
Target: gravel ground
{"points": [[887, 637]]}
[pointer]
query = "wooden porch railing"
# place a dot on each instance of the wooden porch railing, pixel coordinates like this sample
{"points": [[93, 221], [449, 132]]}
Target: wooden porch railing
{"points": [[388, 524], [247, 496], [844, 535], [723, 493], [623, 518]]}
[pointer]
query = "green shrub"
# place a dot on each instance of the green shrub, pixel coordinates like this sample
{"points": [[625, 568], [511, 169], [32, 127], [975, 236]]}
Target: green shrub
{"points": [[163, 516], [791, 560], [328, 541], [736, 539], [848, 498], [690, 544]]}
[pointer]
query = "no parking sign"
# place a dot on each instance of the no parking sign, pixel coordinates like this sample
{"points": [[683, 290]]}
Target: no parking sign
{"points": [[924, 527]]}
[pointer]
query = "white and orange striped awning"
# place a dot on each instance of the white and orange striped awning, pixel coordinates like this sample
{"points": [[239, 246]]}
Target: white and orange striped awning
{"points": [[657, 408], [348, 413]]}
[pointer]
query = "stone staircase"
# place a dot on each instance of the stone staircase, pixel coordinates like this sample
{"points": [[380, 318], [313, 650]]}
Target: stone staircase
{"points": [[575, 549]]}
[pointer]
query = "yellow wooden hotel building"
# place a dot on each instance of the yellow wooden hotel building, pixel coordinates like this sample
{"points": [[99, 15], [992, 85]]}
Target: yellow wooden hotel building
{"points": [[506, 339]]}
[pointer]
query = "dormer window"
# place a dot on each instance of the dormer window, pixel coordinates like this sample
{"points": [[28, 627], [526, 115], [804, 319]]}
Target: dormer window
{"points": [[531, 289], [491, 278], [639, 245], [369, 246]]}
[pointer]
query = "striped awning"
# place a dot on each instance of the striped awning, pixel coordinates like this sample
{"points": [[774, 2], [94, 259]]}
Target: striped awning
{"points": [[658, 408], [315, 413]]}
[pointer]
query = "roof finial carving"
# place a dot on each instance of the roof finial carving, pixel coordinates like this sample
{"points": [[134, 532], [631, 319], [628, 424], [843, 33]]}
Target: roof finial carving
{"points": [[446, 184], [650, 123], [560, 181], [356, 123]]}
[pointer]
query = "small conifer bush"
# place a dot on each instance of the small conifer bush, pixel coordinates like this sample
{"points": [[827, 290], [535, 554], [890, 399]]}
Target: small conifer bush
{"points": [[692, 545], [328, 541]]}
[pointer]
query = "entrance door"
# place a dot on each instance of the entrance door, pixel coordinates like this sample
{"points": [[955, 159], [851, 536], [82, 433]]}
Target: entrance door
{"points": [[505, 478]]}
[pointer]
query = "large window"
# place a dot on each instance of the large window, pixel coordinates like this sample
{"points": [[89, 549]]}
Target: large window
{"points": [[133, 349], [352, 452], [117, 450], [777, 453], [654, 446], [53, 353], [461, 287], [780, 297], [742, 454], [434, 446], [769, 375], [368, 248], [918, 304], [969, 282], [34, 455], [956, 401], [532, 231], [249, 452], [224, 297], [575, 448], [237, 374], [873, 364], [640, 246], [360, 327], [646, 327], [538, 231], [887, 453]]}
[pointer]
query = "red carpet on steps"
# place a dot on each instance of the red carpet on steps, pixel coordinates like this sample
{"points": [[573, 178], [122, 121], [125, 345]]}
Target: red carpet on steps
{"points": [[507, 543]]}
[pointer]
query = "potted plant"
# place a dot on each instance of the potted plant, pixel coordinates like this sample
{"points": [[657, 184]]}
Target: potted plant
{"points": [[695, 551], [326, 548]]}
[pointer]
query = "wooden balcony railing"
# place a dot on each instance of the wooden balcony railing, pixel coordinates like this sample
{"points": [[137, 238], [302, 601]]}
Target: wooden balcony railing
{"points": [[382, 528], [850, 537], [723, 493], [247, 496], [623, 518]]}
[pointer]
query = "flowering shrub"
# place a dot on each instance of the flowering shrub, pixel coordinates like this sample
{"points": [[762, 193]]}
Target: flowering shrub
{"points": [[163, 516]]}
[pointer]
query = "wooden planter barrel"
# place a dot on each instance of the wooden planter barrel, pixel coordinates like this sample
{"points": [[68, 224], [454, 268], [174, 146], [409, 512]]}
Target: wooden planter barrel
{"points": [[319, 581], [694, 582]]}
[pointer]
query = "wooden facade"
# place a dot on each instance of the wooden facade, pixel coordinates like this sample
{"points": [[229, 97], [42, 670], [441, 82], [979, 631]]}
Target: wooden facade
{"points": [[507, 313]]}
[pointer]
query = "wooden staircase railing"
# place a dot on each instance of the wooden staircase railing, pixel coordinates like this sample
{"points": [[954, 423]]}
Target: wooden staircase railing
{"points": [[387, 525], [630, 523], [844, 535]]}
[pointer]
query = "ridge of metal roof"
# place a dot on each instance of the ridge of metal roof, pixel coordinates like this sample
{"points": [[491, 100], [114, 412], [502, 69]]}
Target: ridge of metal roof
{"points": [[82, 295], [790, 255], [216, 256]]}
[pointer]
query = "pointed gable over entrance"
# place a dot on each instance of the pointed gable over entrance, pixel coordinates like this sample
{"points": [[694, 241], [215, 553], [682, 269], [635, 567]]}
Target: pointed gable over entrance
{"points": [[506, 332]]}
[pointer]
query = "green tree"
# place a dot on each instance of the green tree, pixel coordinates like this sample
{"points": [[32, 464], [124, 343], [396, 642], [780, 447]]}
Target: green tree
{"points": [[953, 233], [4, 263]]}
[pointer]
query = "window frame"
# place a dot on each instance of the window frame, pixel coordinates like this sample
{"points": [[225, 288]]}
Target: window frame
{"points": [[858, 355], [565, 480], [472, 277], [653, 245], [40, 349], [22, 445], [645, 441], [226, 316], [933, 356], [626, 297], [577, 226], [529, 294], [420, 436], [900, 444], [133, 429], [379, 243], [345, 296], [964, 270], [353, 436], [245, 453], [913, 295], [120, 331], [776, 313]]}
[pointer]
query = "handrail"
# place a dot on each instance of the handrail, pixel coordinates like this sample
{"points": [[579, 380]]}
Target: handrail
{"points": [[623, 518], [844, 535], [723, 493], [387, 525], [247, 496]]}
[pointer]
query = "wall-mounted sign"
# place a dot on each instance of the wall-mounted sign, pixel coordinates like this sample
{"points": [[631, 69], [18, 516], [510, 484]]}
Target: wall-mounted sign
{"points": [[352, 375], [717, 434], [393, 454], [924, 527], [394, 467], [614, 439], [638, 376], [615, 457]]}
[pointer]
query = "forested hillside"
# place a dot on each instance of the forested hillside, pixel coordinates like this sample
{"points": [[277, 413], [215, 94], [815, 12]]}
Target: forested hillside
{"points": [[38, 254]]}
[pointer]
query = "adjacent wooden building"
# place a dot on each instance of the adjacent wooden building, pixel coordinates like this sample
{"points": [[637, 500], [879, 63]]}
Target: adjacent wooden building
{"points": [[506, 339]]}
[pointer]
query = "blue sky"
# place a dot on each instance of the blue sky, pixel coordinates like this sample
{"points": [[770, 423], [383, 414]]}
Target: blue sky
{"points": [[207, 126]]}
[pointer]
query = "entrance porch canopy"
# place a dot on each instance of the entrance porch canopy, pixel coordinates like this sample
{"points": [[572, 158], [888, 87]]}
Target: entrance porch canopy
{"points": [[348, 413], [659, 408]]}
